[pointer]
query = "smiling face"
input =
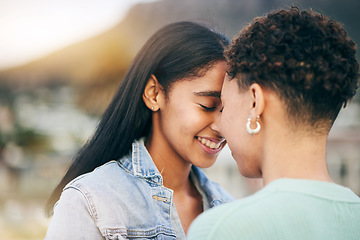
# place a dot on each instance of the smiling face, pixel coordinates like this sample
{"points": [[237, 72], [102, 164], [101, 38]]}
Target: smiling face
{"points": [[186, 116]]}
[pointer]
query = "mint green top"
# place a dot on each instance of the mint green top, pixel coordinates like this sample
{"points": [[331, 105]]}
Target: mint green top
{"points": [[285, 209]]}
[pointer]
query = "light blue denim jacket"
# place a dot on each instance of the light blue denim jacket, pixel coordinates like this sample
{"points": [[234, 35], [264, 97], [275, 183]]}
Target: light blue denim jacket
{"points": [[125, 199]]}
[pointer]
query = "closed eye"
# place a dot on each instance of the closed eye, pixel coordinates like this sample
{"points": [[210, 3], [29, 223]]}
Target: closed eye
{"points": [[209, 109], [222, 108]]}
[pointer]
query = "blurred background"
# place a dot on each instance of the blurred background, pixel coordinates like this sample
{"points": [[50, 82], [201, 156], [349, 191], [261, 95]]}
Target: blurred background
{"points": [[61, 62]]}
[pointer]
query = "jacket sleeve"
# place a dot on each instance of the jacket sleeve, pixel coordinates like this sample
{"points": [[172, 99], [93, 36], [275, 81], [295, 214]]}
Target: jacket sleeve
{"points": [[73, 218]]}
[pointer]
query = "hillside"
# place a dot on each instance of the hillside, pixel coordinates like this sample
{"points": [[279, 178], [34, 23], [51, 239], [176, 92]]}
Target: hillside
{"points": [[95, 66]]}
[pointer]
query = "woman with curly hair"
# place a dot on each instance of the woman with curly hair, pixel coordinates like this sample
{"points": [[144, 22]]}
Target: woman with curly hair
{"points": [[289, 74]]}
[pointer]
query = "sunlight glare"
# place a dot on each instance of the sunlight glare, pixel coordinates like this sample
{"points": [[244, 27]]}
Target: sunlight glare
{"points": [[32, 29]]}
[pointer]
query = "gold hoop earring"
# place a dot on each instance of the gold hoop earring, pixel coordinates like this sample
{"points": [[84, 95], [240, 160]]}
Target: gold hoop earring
{"points": [[258, 126]]}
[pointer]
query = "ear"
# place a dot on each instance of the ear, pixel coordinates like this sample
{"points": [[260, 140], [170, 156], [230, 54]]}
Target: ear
{"points": [[151, 93], [258, 101]]}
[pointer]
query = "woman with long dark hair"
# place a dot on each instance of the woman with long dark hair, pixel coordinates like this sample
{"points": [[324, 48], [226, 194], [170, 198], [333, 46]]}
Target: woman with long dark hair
{"points": [[138, 175]]}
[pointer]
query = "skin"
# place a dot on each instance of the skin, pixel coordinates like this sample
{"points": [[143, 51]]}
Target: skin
{"points": [[277, 151], [178, 120]]}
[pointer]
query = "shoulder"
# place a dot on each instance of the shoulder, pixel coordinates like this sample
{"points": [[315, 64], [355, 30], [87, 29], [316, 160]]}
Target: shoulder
{"points": [[108, 187], [238, 207], [105, 175], [275, 211], [274, 203], [107, 183], [239, 217], [100, 182]]}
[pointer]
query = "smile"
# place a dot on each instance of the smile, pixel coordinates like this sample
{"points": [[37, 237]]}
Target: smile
{"points": [[209, 143]]}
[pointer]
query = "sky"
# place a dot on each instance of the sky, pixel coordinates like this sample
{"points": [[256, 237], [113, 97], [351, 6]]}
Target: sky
{"points": [[30, 29]]}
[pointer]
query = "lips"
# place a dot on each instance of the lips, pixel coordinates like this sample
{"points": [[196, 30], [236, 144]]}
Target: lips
{"points": [[210, 143]]}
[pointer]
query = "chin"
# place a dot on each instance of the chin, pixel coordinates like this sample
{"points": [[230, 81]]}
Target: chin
{"points": [[248, 172], [206, 164]]}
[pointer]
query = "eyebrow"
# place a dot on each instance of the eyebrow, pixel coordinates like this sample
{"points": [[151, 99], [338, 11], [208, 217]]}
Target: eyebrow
{"points": [[216, 94]]}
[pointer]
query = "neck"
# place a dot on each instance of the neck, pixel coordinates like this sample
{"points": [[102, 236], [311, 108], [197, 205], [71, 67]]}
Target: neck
{"points": [[295, 157], [174, 170]]}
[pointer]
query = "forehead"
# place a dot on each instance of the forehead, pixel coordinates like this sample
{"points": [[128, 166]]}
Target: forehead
{"points": [[229, 87], [211, 81]]}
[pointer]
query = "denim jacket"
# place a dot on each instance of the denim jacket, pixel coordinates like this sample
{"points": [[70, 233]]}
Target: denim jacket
{"points": [[125, 199]]}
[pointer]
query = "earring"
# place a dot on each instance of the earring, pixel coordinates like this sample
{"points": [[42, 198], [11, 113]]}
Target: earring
{"points": [[249, 129], [152, 108]]}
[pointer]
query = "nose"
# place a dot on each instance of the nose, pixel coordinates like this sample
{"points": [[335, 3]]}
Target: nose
{"points": [[215, 125]]}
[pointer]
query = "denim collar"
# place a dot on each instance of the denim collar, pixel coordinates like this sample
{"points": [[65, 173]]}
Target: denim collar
{"points": [[213, 192], [141, 165]]}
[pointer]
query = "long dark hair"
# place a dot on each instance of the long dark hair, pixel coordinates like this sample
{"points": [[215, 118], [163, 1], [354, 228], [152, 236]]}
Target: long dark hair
{"points": [[176, 51]]}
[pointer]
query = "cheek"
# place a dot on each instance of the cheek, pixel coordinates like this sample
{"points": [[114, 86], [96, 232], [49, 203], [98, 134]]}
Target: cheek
{"points": [[186, 117], [229, 124], [182, 120], [232, 127]]}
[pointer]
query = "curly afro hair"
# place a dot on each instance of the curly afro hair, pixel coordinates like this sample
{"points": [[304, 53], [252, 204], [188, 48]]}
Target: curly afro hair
{"points": [[305, 57]]}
